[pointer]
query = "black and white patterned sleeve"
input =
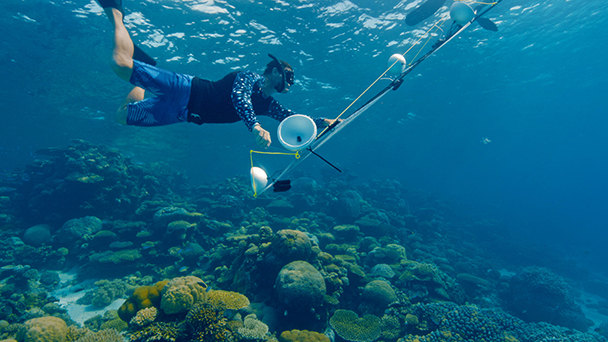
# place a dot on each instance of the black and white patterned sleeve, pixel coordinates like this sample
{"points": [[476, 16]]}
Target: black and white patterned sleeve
{"points": [[278, 112], [241, 97]]}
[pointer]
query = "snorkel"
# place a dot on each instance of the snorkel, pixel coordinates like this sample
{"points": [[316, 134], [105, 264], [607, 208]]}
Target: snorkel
{"points": [[281, 86]]}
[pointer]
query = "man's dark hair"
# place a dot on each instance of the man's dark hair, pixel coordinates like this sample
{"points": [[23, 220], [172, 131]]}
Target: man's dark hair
{"points": [[272, 64]]}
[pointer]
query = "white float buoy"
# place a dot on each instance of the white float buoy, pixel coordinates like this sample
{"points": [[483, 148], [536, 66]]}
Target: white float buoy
{"points": [[461, 12], [259, 179], [296, 132], [396, 68]]}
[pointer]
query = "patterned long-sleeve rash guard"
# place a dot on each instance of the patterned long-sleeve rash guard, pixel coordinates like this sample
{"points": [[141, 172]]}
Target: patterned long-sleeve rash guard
{"points": [[236, 97]]}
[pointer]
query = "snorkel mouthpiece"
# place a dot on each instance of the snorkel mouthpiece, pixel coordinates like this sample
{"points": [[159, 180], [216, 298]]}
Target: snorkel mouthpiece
{"points": [[281, 86]]}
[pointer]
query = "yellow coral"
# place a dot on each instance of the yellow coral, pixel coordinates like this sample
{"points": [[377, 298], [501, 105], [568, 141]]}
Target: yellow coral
{"points": [[46, 329], [296, 335], [227, 300], [143, 297], [181, 293]]}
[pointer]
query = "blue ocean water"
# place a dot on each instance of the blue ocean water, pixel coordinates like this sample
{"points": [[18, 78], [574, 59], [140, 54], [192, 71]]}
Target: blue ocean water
{"points": [[509, 124]]}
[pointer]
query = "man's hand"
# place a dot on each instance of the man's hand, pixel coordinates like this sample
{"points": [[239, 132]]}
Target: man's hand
{"points": [[329, 122], [262, 136]]}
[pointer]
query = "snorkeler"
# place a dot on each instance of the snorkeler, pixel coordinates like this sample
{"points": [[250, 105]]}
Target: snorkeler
{"points": [[239, 96]]}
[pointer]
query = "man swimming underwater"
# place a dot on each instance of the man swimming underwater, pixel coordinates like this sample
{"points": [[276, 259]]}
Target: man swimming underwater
{"points": [[239, 96]]}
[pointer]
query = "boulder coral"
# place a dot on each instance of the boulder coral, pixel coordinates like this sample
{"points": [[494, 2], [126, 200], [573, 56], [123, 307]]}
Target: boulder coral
{"points": [[378, 294], [290, 245], [300, 286], [181, 293], [77, 228], [37, 235], [46, 329]]}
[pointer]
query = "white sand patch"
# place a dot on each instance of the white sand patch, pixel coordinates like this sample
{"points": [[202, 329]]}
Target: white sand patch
{"points": [[69, 293]]}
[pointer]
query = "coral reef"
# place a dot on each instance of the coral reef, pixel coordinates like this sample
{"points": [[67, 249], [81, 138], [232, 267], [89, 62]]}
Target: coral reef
{"points": [[384, 263]]}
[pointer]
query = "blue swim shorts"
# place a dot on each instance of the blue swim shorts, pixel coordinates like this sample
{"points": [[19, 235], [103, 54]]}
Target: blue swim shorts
{"points": [[168, 106]]}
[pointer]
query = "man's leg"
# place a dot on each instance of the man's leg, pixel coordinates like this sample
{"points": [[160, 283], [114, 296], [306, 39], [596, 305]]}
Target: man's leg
{"points": [[122, 61], [122, 53]]}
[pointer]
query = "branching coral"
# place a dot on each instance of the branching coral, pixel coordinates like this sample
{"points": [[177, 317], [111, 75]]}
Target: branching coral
{"points": [[207, 323], [253, 329], [157, 331]]}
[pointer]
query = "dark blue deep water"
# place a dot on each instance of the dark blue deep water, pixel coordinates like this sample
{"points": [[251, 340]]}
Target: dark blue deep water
{"points": [[509, 126]]}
